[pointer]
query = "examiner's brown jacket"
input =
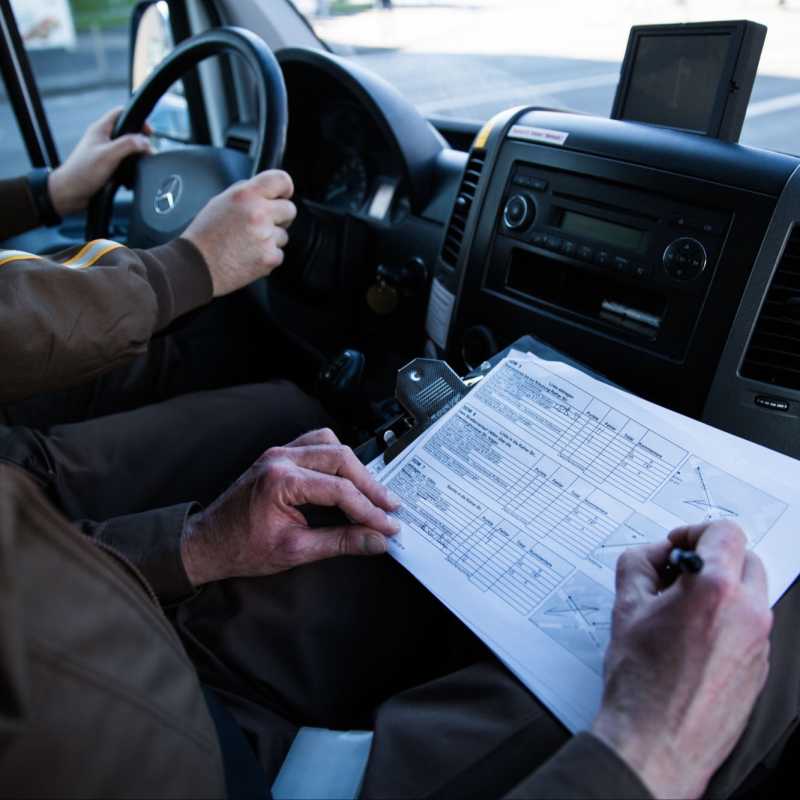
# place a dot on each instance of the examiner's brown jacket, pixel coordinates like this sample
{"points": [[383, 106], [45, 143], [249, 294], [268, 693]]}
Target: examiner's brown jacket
{"points": [[99, 698]]}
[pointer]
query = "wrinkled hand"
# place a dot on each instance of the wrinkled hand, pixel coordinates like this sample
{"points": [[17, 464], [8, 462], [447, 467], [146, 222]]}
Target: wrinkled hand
{"points": [[686, 661], [92, 163], [242, 232], [256, 527]]}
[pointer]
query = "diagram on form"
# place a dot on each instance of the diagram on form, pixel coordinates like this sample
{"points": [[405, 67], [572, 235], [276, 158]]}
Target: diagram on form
{"points": [[700, 491], [577, 616], [636, 530]]}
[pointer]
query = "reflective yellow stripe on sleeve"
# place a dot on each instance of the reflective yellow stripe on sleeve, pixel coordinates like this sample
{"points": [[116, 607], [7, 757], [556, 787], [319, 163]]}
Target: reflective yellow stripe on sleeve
{"points": [[7, 256], [90, 253]]}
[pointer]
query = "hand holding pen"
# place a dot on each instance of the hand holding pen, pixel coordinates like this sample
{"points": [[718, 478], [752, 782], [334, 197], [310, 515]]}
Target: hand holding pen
{"points": [[686, 561], [688, 656]]}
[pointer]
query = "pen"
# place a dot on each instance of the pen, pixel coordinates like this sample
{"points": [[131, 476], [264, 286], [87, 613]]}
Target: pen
{"points": [[685, 560]]}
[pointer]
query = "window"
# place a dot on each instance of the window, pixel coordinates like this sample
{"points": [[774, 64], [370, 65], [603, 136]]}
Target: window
{"points": [[13, 155], [470, 59], [79, 54]]}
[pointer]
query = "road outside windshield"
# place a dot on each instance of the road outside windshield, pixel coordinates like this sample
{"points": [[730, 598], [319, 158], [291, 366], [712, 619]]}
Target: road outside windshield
{"points": [[470, 59]]}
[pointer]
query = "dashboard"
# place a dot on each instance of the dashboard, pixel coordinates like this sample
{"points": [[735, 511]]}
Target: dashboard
{"points": [[635, 250], [665, 260]]}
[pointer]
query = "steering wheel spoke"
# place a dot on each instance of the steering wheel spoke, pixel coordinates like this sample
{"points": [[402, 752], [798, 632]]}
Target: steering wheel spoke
{"points": [[173, 186]]}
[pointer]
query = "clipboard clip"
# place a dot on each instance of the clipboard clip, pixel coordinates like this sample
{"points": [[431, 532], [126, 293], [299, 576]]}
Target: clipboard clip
{"points": [[426, 388]]}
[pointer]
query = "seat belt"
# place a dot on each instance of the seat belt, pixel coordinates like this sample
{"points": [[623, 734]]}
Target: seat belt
{"points": [[244, 778]]}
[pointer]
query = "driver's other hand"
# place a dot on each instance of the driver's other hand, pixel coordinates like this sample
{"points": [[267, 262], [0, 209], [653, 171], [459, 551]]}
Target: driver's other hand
{"points": [[257, 527], [242, 232], [687, 659], [92, 163]]}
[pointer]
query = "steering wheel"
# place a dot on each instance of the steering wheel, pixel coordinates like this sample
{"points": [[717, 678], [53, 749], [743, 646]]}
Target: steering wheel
{"points": [[169, 188]]}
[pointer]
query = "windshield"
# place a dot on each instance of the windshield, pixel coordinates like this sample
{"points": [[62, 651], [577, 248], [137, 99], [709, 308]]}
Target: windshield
{"points": [[468, 59]]}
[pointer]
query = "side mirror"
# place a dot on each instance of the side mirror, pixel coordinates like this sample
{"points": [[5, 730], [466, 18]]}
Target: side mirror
{"points": [[151, 40]]}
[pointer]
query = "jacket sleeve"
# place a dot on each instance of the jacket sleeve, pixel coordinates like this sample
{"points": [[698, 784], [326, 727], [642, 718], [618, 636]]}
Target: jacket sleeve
{"points": [[151, 541], [66, 318], [18, 200], [583, 769]]}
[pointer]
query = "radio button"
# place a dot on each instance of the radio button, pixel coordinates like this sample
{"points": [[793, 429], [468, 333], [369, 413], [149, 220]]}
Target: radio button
{"points": [[568, 248], [538, 238], [641, 270], [585, 253], [602, 258], [552, 243], [704, 226], [685, 259], [623, 265], [519, 212], [539, 184]]}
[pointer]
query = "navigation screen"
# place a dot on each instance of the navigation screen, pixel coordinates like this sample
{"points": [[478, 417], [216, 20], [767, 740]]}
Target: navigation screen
{"points": [[675, 79]]}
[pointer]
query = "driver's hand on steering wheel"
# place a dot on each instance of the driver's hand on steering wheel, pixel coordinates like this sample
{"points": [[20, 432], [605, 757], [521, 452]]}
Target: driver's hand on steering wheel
{"points": [[242, 231], [92, 163]]}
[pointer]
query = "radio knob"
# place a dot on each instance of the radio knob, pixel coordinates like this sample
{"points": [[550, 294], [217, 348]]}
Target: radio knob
{"points": [[685, 259], [519, 212]]}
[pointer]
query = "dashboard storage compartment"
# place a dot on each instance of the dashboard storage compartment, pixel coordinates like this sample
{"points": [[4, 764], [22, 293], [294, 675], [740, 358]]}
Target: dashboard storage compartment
{"points": [[596, 297]]}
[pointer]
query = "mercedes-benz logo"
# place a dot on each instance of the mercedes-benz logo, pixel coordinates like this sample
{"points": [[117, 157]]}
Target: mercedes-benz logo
{"points": [[168, 194]]}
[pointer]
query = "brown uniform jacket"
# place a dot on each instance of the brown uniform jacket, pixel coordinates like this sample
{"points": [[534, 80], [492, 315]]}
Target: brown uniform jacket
{"points": [[71, 316], [65, 319], [99, 696]]}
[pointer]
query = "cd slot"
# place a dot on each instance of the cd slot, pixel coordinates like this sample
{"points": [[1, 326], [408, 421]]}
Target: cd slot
{"points": [[594, 296]]}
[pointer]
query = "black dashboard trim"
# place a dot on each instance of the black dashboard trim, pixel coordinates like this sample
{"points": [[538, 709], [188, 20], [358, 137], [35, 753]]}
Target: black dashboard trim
{"points": [[733, 165]]}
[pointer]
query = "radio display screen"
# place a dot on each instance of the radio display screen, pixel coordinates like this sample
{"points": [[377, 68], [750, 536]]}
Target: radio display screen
{"points": [[602, 231]]}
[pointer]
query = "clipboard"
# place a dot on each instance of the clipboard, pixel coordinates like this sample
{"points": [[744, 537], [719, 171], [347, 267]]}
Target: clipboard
{"points": [[426, 388]]}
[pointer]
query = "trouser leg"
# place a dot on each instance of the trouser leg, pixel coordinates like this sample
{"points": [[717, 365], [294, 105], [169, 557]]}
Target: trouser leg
{"points": [[329, 642], [188, 448], [359, 643], [322, 645], [220, 345], [474, 733], [326, 643]]}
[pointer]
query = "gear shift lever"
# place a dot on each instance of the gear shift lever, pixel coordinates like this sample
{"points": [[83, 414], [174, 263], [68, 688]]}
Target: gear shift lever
{"points": [[340, 380]]}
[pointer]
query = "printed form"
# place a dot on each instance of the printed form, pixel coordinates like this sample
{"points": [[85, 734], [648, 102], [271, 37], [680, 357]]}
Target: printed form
{"points": [[518, 502]]}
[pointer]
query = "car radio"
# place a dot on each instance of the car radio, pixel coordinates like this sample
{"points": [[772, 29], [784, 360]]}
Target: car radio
{"points": [[627, 258]]}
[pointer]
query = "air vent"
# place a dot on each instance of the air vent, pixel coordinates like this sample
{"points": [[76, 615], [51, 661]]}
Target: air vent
{"points": [[773, 355], [458, 221]]}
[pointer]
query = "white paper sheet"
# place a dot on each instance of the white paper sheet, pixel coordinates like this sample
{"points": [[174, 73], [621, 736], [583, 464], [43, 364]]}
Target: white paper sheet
{"points": [[518, 502]]}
